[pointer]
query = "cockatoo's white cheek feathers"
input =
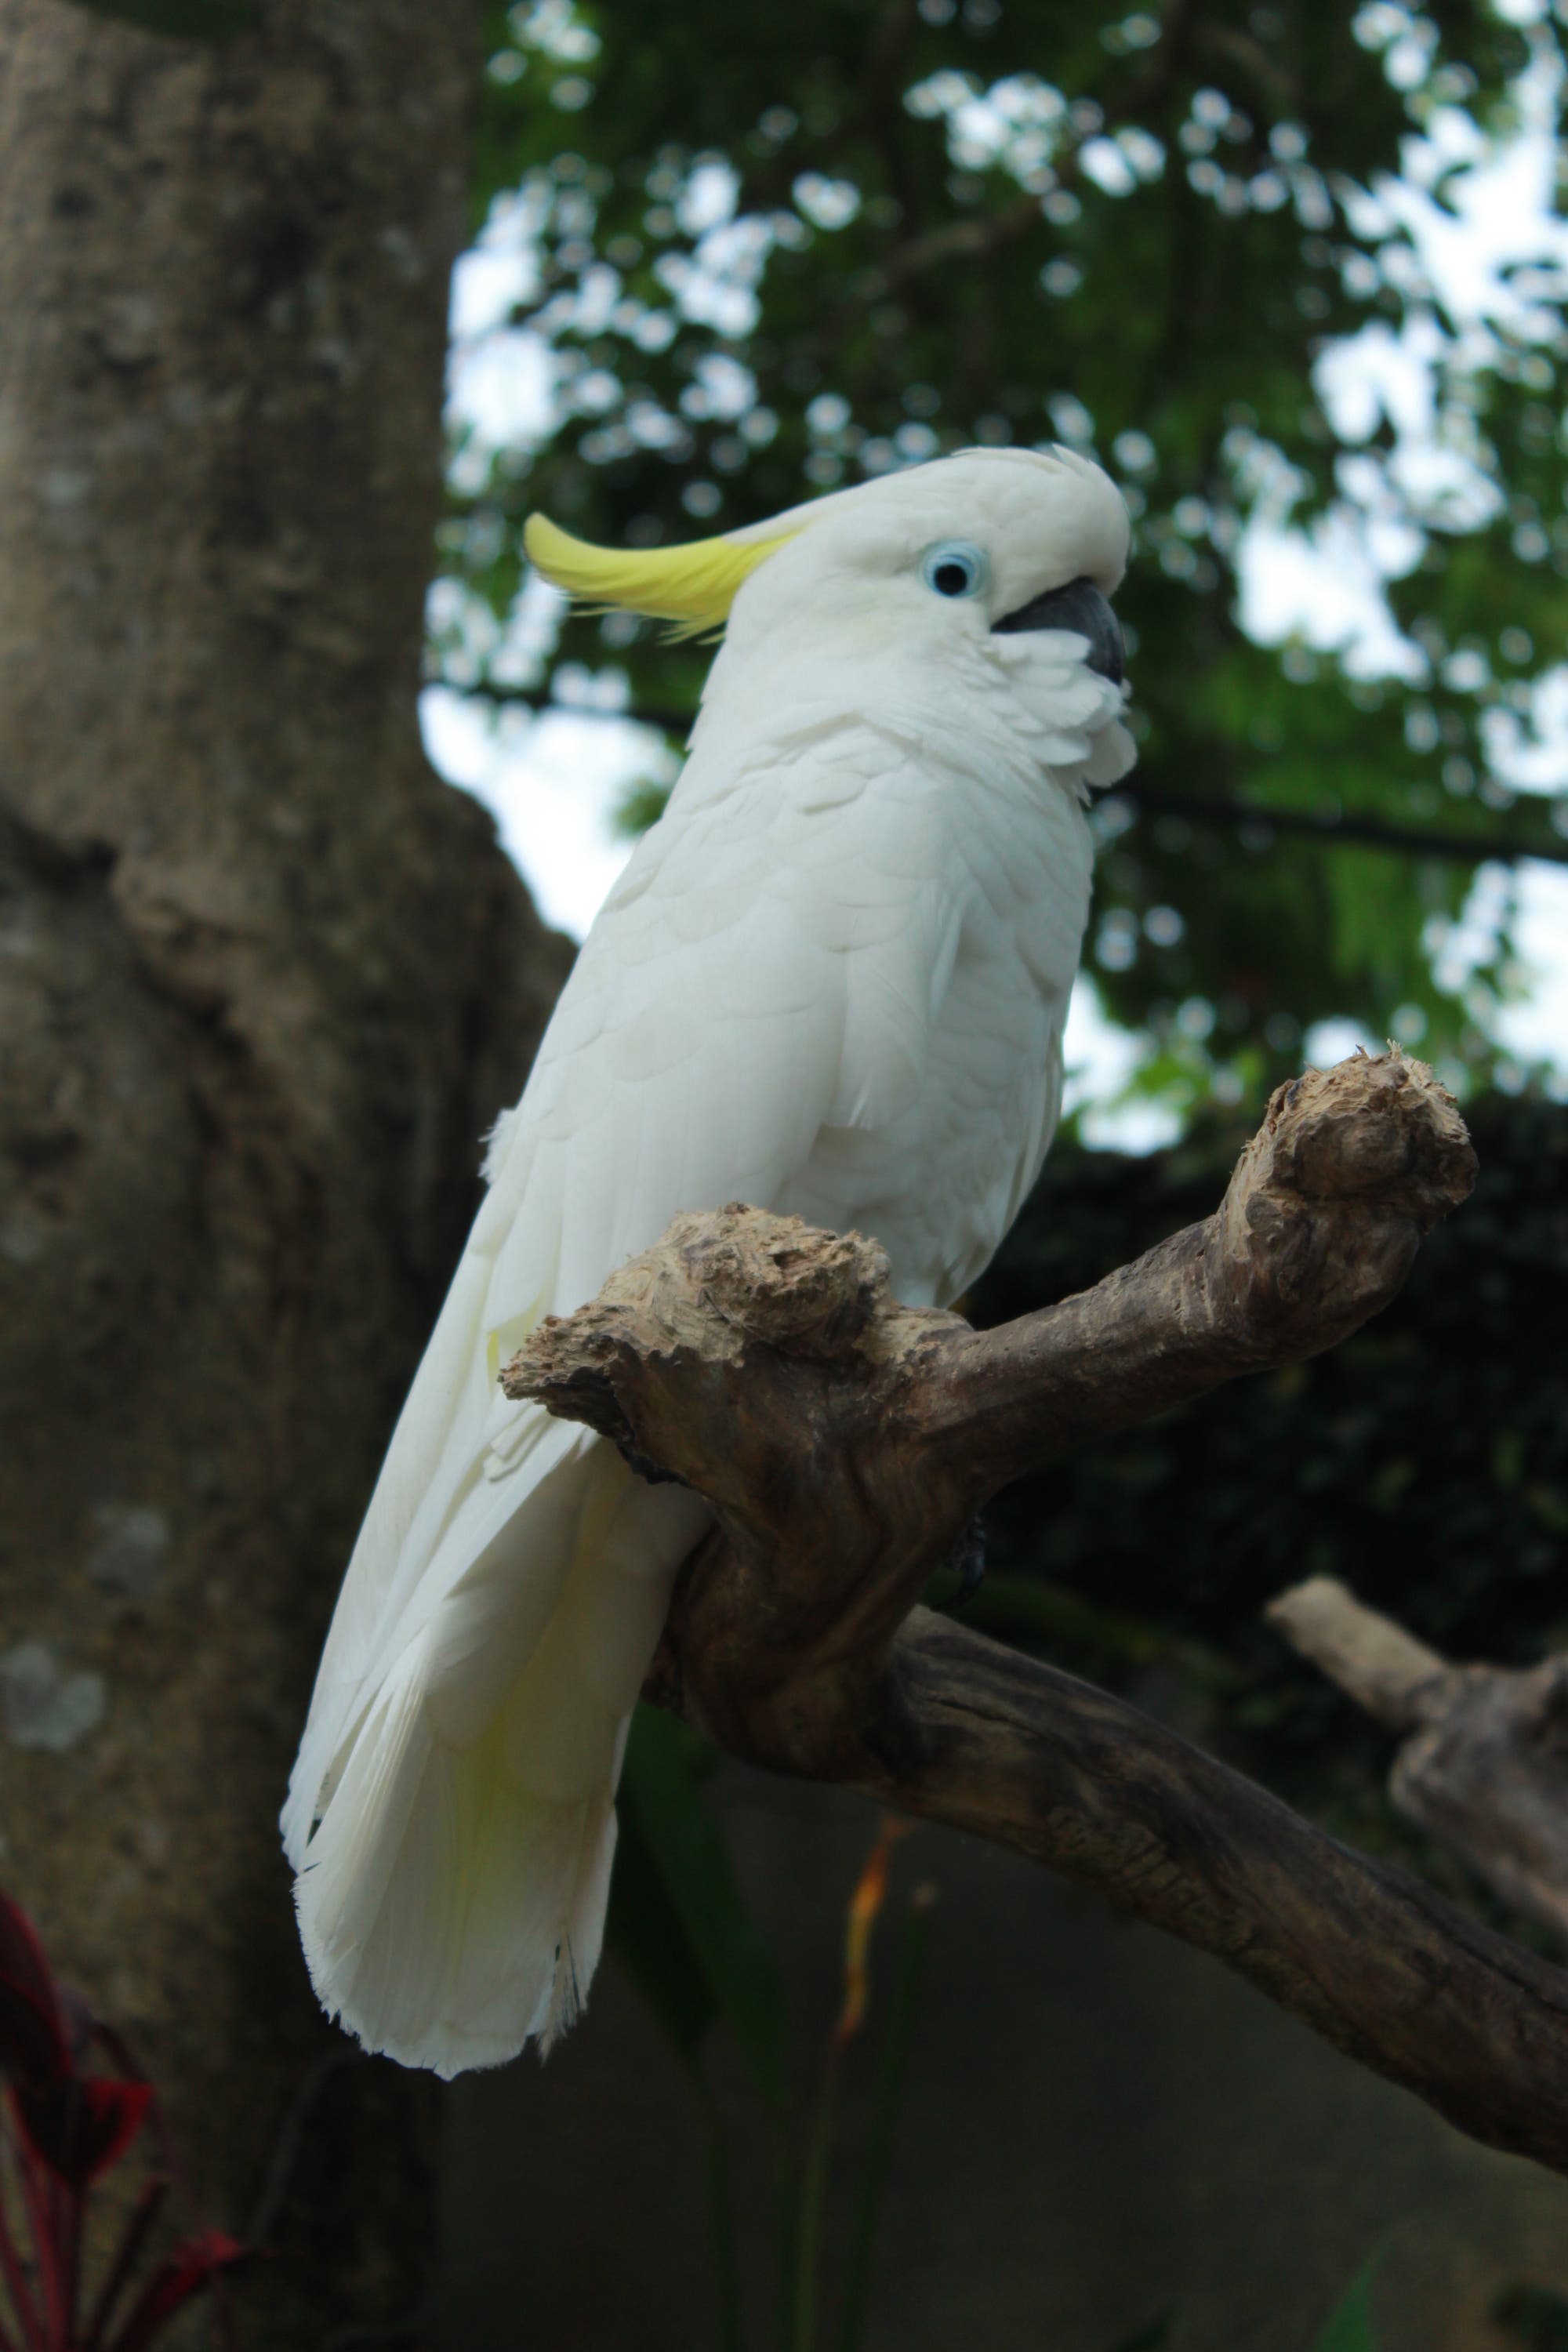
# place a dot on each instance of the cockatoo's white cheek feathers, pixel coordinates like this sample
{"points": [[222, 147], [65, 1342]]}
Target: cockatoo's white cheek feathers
{"points": [[1114, 755]]}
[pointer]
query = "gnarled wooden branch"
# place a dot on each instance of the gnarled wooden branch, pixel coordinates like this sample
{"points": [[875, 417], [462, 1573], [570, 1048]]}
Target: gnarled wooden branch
{"points": [[844, 1441], [1484, 1770]]}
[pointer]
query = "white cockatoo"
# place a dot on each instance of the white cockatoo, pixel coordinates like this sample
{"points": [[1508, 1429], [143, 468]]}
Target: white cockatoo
{"points": [[831, 981]]}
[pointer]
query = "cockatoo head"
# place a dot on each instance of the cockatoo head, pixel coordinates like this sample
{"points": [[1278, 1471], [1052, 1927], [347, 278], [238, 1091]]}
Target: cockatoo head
{"points": [[970, 570]]}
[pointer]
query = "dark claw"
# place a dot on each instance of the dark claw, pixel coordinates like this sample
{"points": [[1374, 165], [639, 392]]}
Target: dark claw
{"points": [[649, 1471], [967, 1562]]}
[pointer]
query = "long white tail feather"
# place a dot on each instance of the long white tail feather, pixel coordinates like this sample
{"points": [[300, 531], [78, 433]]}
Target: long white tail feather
{"points": [[452, 1891], [449, 1559]]}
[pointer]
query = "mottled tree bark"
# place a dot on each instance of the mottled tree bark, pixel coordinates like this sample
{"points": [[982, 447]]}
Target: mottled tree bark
{"points": [[263, 981]]}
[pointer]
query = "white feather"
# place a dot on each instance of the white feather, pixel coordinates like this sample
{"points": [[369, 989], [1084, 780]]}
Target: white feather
{"points": [[832, 979]]}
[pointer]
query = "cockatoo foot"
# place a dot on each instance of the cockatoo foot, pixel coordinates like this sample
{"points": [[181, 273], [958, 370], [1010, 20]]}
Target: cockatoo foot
{"points": [[651, 1473]]}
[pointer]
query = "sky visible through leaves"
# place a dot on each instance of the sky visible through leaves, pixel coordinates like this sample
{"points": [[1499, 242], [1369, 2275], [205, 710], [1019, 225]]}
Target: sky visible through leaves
{"points": [[637, 348]]}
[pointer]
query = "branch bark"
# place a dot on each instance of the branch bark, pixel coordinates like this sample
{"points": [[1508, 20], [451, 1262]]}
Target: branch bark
{"points": [[844, 1441], [1484, 1770]]}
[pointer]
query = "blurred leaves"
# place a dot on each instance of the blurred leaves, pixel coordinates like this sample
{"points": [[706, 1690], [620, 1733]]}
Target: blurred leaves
{"points": [[1350, 2327], [892, 2067], [754, 257], [677, 1924], [73, 2102], [646, 1933], [676, 1917]]}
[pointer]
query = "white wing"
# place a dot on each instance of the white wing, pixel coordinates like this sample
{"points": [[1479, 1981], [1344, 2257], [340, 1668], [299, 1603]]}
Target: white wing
{"points": [[771, 964]]}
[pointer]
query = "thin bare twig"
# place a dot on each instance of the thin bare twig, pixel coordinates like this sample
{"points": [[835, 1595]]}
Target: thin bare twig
{"points": [[1224, 810], [1484, 1770]]}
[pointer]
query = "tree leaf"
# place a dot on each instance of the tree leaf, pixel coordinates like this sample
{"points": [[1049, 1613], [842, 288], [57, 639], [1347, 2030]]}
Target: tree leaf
{"points": [[892, 2065], [178, 20], [1218, 938], [82, 2127], [35, 2049], [644, 1932], [193, 2265], [661, 1799], [1349, 2327]]}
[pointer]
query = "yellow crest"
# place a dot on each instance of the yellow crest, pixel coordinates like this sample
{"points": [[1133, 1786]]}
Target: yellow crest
{"points": [[693, 585]]}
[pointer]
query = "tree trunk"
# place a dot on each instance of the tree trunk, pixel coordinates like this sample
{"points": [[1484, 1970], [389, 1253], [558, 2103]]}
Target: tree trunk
{"points": [[263, 981]]}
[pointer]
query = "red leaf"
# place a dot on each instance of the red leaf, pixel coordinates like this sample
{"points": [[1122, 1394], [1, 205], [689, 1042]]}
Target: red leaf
{"points": [[193, 2265], [128, 2253], [33, 2046], [81, 2126]]}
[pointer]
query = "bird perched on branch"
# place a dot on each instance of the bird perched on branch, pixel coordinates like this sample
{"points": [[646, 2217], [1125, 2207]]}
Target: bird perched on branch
{"points": [[831, 981]]}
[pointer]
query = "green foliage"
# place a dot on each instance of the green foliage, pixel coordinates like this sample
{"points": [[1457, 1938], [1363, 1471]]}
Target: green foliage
{"points": [[892, 2065], [677, 1920], [644, 1932], [180, 20], [1425, 1460], [677, 1925], [641, 806], [1349, 2327], [777, 252]]}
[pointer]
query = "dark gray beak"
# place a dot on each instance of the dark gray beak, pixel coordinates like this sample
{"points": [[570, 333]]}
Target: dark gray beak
{"points": [[1079, 606]]}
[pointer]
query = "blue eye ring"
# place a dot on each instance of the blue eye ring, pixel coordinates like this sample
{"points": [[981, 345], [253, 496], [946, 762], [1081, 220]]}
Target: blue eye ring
{"points": [[955, 567]]}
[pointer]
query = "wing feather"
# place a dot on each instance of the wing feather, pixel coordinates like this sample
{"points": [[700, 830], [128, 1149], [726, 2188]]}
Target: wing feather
{"points": [[770, 967]]}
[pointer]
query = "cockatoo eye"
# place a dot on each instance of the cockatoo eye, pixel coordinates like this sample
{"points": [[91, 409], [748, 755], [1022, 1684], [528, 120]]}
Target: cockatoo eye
{"points": [[953, 568]]}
